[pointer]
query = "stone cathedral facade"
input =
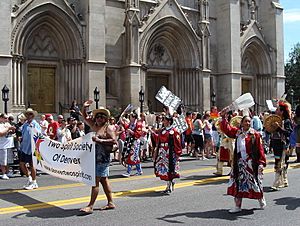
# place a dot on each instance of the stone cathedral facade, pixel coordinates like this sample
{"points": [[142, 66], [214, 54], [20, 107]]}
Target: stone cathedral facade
{"points": [[55, 51]]}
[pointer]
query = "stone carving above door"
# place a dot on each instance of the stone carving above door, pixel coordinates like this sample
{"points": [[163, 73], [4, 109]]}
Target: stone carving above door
{"points": [[42, 45], [159, 56]]}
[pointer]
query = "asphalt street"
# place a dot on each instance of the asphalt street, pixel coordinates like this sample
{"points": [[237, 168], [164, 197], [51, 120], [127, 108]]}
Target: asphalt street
{"points": [[199, 199]]}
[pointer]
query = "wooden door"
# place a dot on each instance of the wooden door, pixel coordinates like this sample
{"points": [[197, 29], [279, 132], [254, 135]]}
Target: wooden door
{"points": [[41, 88], [246, 86], [154, 83]]}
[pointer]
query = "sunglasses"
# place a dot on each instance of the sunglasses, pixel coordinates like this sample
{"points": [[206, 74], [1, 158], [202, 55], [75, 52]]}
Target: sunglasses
{"points": [[101, 116]]}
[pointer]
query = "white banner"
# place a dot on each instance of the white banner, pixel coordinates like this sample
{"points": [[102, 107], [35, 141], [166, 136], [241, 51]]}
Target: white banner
{"points": [[180, 124], [74, 160], [167, 98], [6, 142], [270, 105]]}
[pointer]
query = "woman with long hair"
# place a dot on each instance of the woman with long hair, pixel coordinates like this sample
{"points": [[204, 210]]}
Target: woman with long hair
{"points": [[248, 163], [280, 141]]}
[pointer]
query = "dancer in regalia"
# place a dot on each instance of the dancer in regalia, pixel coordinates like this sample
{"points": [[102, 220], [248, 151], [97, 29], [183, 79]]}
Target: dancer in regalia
{"points": [[248, 163], [280, 143], [167, 153], [132, 146]]}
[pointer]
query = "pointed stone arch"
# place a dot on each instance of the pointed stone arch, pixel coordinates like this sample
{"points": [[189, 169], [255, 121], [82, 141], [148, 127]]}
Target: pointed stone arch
{"points": [[255, 57], [182, 50], [58, 22], [257, 68], [48, 36]]}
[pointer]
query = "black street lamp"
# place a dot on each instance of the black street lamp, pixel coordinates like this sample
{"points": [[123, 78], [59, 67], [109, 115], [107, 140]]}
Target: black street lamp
{"points": [[5, 97], [213, 98], [292, 97], [141, 97], [96, 96]]}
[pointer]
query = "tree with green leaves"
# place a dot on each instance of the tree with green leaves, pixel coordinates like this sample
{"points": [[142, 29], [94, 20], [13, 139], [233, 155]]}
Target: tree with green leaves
{"points": [[292, 73]]}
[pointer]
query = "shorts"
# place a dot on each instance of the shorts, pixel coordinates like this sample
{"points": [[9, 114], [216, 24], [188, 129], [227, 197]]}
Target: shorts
{"points": [[102, 169], [198, 141], [189, 139], [25, 158], [207, 137], [3, 157]]}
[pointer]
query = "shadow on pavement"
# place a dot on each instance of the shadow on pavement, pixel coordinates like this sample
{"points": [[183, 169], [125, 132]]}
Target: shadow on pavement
{"points": [[35, 208], [291, 203], [213, 214]]}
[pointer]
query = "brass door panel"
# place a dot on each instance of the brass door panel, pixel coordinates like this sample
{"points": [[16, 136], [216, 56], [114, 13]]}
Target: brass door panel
{"points": [[41, 88], [154, 83]]}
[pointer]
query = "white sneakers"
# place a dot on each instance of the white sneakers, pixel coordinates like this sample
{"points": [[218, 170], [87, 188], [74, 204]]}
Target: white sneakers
{"points": [[126, 174], [31, 186], [4, 177], [235, 209]]}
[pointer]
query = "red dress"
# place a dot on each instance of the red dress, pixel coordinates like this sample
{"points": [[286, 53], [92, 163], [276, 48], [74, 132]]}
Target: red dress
{"points": [[134, 144], [166, 165], [248, 154]]}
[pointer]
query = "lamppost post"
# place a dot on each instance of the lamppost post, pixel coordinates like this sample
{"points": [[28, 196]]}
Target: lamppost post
{"points": [[5, 97], [213, 98], [141, 97], [96, 96]]}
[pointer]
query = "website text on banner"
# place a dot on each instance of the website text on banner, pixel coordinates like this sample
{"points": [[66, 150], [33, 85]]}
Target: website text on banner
{"points": [[74, 160]]}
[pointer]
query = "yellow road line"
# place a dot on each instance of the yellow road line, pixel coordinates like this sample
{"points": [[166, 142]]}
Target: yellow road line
{"points": [[60, 203], [111, 181]]}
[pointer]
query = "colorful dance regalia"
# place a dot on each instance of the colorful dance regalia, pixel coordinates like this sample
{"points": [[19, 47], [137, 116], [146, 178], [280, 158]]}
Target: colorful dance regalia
{"points": [[166, 165], [248, 155], [132, 144], [280, 143]]}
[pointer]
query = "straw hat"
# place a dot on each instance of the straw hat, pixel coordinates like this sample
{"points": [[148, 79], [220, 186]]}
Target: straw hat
{"points": [[30, 110], [270, 123], [236, 121], [101, 110]]}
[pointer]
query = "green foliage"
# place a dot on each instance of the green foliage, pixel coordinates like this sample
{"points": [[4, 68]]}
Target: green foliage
{"points": [[292, 73]]}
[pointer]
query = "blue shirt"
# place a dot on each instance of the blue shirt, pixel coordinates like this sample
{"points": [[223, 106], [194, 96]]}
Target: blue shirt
{"points": [[256, 124], [26, 136]]}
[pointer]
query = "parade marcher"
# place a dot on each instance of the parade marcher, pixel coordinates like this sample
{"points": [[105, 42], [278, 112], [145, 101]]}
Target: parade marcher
{"points": [[63, 133], [60, 118], [280, 144], [104, 140], [52, 127], [5, 129], [167, 153], [208, 138], [188, 136], [256, 122], [144, 137], [80, 126], [72, 126], [26, 150], [248, 163], [198, 136], [225, 153], [297, 132], [44, 124], [132, 146]]}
